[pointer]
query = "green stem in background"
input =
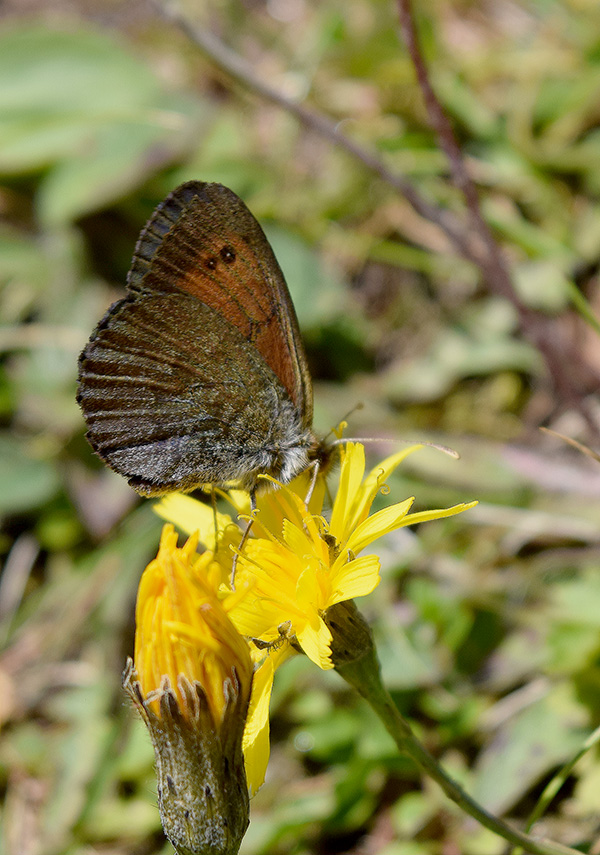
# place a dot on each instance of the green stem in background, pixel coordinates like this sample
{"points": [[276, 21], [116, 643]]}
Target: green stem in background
{"points": [[583, 307], [355, 660], [557, 781]]}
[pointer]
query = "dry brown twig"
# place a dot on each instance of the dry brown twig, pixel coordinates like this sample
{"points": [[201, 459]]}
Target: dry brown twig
{"points": [[239, 70], [562, 361]]}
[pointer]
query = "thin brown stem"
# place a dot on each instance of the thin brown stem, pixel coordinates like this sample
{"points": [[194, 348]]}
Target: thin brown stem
{"points": [[235, 67], [562, 359], [492, 261]]}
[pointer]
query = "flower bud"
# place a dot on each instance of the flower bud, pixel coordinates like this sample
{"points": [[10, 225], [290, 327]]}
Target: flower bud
{"points": [[191, 683]]}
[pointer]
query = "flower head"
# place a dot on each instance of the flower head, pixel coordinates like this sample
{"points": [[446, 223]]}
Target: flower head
{"points": [[305, 564], [191, 683]]}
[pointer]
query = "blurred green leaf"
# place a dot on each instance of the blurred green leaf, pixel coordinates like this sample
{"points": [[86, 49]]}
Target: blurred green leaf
{"points": [[410, 813], [77, 103], [79, 752], [542, 285], [455, 355], [24, 269], [578, 600], [526, 747], [26, 481], [403, 665]]}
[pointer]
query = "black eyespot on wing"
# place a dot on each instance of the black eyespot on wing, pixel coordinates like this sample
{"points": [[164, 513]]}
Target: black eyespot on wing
{"points": [[227, 254]]}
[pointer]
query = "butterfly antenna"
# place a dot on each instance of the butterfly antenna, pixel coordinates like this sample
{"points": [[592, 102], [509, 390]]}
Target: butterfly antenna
{"points": [[345, 418], [364, 440]]}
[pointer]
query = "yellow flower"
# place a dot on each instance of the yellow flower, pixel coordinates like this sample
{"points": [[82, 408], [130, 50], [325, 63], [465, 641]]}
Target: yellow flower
{"points": [[191, 683], [305, 565], [297, 565]]}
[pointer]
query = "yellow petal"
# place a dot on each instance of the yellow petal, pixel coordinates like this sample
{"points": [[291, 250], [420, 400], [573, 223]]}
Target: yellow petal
{"points": [[296, 539], [425, 516], [355, 579], [315, 641], [376, 480], [278, 505], [256, 733], [351, 474], [240, 500], [190, 515], [377, 525], [182, 628], [354, 499], [254, 617], [380, 473]]}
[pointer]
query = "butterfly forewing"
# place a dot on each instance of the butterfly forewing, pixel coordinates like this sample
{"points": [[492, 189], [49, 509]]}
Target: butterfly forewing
{"points": [[204, 240]]}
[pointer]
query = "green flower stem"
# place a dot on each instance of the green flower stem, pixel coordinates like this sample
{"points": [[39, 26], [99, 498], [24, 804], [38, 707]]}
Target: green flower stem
{"points": [[355, 659], [558, 780]]}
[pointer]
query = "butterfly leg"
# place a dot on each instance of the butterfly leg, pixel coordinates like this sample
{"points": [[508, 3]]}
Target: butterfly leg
{"points": [[315, 466], [244, 538], [213, 501]]}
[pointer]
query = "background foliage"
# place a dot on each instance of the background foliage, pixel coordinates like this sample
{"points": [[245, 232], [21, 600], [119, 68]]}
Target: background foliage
{"points": [[488, 624]]}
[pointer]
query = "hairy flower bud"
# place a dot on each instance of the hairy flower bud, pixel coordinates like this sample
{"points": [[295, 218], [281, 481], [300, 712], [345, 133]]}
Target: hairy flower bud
{"points": [[191, 683]]}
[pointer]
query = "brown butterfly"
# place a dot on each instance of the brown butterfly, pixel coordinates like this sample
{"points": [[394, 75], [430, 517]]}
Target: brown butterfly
{"points": [[198, 376]]}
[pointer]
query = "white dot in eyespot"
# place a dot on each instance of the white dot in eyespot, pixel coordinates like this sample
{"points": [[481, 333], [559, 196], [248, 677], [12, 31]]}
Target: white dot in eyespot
{"points": [[304, 741]]}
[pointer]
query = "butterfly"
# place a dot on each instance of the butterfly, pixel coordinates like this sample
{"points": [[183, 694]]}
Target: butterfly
{"points": [[198, 376]]}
